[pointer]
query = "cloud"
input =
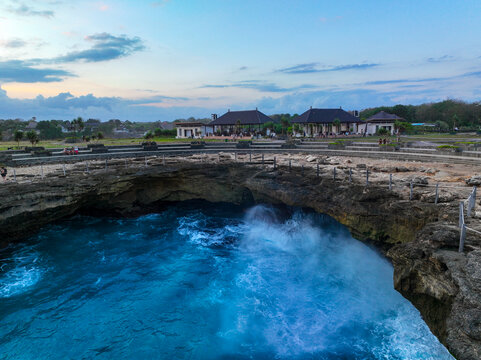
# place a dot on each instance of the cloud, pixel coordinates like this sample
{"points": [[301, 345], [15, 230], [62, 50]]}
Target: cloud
{"points": [[440, 59], [242, 68], [13, 43], [23, 72], [259, 85], [424, 80], [105, 47], [316, 68], [24, 10], [67, 106]]}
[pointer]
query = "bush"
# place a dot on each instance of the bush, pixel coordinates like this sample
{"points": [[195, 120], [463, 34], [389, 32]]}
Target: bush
{"points": [[447, 147], [72, 140]]}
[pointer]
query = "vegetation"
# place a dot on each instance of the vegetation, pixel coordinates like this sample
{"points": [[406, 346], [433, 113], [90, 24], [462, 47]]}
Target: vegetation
{"points": [[447, 147], [18, 136], [447, 114], [32, 137]]}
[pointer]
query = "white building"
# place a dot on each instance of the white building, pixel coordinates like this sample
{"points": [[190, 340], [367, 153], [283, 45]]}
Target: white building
{"points": [[193, 130], [380, 120]]}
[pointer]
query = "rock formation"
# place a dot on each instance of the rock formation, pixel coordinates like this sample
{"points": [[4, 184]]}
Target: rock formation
{"points": [[419, 237]]}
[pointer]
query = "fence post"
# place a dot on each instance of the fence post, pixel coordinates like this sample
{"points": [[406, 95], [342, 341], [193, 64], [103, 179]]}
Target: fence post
{"points": [[411, 191], [302, 170], [250, 156], [145, 160], [41, 170], [462, 238], [317, 170], [350, 175], [290, 166], [436, 197], [106, 165], [87, 166], [390, 182], [262, 159], [163, 159], [367, 177], [334, 173], [275, 165], [14, 175], [235, 156], [63, 167], [461, 213]]}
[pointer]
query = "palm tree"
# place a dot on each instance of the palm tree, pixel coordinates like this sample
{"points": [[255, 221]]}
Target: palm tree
{"points": [[18, 136], [32, 137], [337, 123]]}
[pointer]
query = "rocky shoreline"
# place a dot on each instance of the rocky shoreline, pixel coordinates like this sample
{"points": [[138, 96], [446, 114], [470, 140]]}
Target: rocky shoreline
{"points": [[418, 236]]}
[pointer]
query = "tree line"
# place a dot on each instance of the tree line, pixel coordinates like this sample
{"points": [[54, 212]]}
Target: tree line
{"points": [[447, 115]]}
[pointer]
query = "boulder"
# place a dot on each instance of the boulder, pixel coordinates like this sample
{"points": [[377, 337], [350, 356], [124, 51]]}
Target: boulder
{"points": [[474, 180]]}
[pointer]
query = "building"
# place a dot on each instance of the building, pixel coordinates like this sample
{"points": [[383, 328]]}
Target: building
{"points": [[190, 130], [318, 122], [32, 126], [233, 121], [380, 120]]}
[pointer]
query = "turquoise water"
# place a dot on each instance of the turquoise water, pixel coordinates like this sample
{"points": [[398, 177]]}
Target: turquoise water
{"points": [[199, 281]]}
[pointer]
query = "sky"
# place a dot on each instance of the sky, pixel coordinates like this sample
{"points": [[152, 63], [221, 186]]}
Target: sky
{"points": [[146, 60]]}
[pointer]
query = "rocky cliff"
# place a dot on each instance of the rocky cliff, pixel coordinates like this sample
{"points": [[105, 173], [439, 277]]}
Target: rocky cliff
{"points": [[417, 236]]}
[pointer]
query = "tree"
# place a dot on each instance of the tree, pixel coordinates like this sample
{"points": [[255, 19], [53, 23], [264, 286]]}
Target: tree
{"points": [[148, 135], [77, 124], [284, 122], [382, 131], [158, 132], [337, 124], [100, 135], [18, 136], [297, 128], [32, 137]]}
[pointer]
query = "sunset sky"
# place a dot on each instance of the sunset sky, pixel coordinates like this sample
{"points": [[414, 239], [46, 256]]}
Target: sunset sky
{"points": [[162, 60]]}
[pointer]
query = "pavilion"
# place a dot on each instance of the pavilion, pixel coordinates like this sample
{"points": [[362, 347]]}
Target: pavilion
{"points": [[381, 120], [317, 122], [232, 121]]}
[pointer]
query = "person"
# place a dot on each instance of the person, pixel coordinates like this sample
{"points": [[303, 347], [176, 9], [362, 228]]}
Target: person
{"points": [[3, 172]]}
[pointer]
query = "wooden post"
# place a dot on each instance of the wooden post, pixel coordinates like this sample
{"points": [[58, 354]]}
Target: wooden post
{"points": [[290, 166], [436, 196], [367, 177], [250, 157], [235, 156], [317, 170], [334, 173], [262, 159], [14, 175], [390, 182], [125, 162], [411, 191], [87, 166], [163, 159], [41, 170], [145, 160], [302, 170], [63, 166], [106, 165], [275, 165], [350, 175], [462, 238]]}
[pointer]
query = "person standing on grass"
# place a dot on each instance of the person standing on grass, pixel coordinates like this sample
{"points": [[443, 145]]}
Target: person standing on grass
{"points": [[3, 172]]}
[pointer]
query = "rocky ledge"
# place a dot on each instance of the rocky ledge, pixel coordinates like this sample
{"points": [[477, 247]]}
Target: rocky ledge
{"points": [[420, 238]]}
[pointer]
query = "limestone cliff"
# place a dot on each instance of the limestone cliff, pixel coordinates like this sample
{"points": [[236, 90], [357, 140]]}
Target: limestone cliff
{"points": [[443, 284]]}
